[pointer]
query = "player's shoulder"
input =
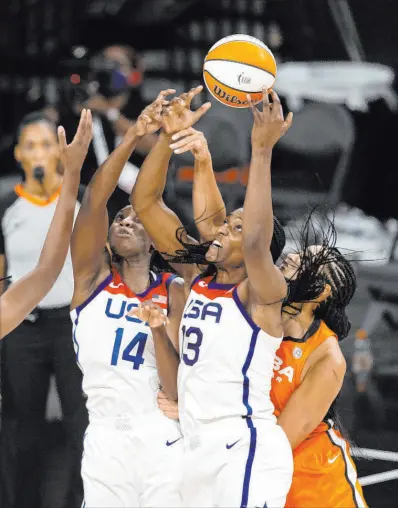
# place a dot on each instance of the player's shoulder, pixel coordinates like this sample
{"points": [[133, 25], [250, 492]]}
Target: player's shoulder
{"points": [[328, 352]]}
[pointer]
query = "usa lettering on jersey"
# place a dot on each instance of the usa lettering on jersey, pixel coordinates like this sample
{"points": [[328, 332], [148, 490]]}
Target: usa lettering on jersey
{"points": [[197, 309], [287, 371]]}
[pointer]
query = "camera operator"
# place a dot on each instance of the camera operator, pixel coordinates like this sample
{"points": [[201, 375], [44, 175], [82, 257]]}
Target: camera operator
{"points": [[112, 90], [42, 345]]}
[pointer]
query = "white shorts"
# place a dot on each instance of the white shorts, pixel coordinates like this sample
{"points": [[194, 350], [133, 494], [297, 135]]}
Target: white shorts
{"points": [[132, 462], [239, 466]]}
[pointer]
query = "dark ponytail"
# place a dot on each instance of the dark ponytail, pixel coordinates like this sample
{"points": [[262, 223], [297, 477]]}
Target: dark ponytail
{"points": [[322, 263]]}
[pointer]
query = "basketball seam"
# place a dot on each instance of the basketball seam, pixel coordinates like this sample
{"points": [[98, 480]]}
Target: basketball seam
{"points": [[248, 42], [242, 63], [231, 87]]}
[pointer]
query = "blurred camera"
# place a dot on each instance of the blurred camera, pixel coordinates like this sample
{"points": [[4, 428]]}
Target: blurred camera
{"points": [[98, 75]]}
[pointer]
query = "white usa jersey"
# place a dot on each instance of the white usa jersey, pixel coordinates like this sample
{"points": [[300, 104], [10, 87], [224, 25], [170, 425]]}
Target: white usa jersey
{"points": [[226, 359], [116, 351]]}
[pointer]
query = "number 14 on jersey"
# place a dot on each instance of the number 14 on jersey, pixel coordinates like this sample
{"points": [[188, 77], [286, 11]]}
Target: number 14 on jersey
{"points": [[138, 342]]}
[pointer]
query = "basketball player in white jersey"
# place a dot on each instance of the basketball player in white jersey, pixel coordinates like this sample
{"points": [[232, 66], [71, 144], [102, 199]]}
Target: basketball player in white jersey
{"points": [[235, 453], [131, 452]]}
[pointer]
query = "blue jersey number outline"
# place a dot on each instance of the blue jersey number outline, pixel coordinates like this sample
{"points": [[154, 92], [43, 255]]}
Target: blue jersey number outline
{"points": [[138, 358], [196, 333]]}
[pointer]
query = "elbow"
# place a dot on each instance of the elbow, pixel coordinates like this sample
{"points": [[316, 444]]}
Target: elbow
{"points": [[140, 201]]}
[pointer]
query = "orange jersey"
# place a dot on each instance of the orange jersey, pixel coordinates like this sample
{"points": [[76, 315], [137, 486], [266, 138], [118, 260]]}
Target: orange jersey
{"points": [[324, 471]]}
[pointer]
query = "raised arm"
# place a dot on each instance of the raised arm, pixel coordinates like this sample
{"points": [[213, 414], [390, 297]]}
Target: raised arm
{"points": [[321, 383], [165, 335], [23, 296], [159, 221], [208, 206], [266, 282], [91, 228]]}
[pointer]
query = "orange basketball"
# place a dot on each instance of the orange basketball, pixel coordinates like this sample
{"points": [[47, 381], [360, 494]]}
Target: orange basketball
{"points": [[238, 65]]}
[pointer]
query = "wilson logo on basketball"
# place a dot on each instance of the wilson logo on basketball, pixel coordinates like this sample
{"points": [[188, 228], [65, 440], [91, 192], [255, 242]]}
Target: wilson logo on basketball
{"points": [[243, 80], [228, 98]]}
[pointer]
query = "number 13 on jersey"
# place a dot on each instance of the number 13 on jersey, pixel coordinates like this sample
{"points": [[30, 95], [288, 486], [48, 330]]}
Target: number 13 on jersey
{"points": [[139, 342]]}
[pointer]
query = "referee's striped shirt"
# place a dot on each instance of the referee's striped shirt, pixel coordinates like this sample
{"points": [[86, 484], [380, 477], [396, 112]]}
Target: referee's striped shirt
{"points": [[24, 222]]}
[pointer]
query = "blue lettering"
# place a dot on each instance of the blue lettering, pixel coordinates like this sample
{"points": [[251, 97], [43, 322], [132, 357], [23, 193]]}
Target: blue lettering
{"points": [[132, 319], [212, 309], [198, 310], [113, 315], [194, 309], [123, 311]]}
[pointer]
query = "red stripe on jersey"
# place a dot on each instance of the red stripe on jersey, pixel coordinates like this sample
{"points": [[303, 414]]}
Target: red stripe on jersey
{"points": [[156, 292], [211, 290]]}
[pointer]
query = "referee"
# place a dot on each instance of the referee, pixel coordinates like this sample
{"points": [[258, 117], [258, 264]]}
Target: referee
{"points": [[42, 344]]}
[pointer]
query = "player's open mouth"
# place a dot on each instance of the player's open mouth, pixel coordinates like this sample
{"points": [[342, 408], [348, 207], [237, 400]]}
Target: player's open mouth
{"points": [[217, 244], [123, 232]]}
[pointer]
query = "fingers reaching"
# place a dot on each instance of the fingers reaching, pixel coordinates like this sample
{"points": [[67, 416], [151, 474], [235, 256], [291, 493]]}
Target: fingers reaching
{"points": [[288, 123], [165, 93], [192, 93], [265, 97], [89, 129], [201, 111], [61, 138], [183, 133], [81, 129]]}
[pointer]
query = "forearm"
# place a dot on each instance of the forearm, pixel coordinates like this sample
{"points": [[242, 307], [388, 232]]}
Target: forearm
{"points": [[299, 428], [151, 180], [105, 180], [208, 204], [23, 296], [257, 210], [56, 244], [167, 361]]}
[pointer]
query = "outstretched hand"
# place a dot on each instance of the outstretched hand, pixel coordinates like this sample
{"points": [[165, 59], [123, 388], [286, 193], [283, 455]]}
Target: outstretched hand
{"points": [[149, 120], [178, 115], [269, 124], [190, 140], [72, 156]]}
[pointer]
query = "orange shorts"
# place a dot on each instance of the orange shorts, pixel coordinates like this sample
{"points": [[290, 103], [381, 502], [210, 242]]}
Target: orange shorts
{"points": [[325, 475]]}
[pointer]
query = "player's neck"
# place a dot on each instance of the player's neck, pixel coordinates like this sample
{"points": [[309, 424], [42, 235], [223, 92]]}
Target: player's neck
{"points": [[135, 273], [231, 275], [298, 325], [45, 190]]}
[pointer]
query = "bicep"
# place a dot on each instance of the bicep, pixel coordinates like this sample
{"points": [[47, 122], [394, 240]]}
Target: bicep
{"points": [[88, 242], [163, 226]]}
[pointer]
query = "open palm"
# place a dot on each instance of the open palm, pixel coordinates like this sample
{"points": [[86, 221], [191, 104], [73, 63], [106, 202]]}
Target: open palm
{"points": [[72, 156], [178, 115]]}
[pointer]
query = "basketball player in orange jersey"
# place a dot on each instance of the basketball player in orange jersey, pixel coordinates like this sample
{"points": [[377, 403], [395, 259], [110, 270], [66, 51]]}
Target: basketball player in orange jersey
{"points": [[309, 365], [25, 294]]}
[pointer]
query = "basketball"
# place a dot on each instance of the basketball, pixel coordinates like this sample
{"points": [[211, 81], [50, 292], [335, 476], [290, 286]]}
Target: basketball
{"points": [[238, 65]]}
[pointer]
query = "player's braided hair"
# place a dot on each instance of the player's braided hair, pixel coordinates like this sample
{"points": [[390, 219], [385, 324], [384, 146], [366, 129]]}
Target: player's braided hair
{"points": [[195, 254], [320, 265]]}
